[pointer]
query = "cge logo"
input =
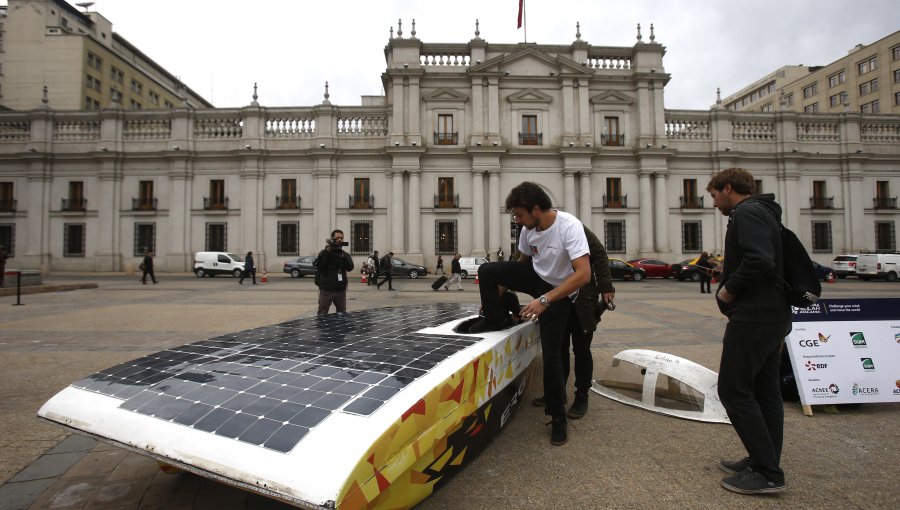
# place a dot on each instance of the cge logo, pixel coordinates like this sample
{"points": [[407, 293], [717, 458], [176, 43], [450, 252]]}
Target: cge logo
{"points": [[809, 343]]}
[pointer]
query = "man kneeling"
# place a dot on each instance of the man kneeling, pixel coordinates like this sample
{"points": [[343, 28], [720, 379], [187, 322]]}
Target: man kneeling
{"points": [[553, 264]]}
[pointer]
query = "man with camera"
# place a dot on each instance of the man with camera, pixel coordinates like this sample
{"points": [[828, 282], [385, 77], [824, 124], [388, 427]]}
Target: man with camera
{"points": [[332, 266]]}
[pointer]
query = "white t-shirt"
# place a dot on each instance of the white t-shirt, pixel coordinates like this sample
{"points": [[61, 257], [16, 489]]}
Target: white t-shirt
{"points": [[553, 250]]}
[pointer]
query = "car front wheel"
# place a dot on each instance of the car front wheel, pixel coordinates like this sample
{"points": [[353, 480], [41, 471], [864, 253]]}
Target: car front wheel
{"points": [[200, 272], [892, 277], [237, 273], [295, 273], [464, 275], [414, 274], [638, 277]]}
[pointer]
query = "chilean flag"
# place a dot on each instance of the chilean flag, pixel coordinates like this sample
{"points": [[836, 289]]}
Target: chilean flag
{"points": [[521, 12]]}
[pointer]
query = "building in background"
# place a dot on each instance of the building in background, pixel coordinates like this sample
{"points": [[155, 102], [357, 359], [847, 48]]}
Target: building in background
{"points": [[423, 171], [80, 60], [866, 81]]}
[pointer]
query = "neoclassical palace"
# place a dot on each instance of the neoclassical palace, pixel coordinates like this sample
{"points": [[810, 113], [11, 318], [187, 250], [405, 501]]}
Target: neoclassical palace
{"points": [[424, 169]]}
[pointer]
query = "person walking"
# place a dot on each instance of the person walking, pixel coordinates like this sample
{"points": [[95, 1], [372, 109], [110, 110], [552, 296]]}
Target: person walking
{"points": [[372, 269], [553, 265], [386, 269], [249, 269], [704, 269], [500, 254], [455, 274], [147, 268], [332, 265], [440, 265], [759, 317]]}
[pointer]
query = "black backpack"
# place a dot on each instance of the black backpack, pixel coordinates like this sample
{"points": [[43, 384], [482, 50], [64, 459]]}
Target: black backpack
{"points": [[798, 280]]}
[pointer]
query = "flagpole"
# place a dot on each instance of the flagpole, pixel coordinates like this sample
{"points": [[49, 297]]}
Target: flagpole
{"points": [[525, 21]]}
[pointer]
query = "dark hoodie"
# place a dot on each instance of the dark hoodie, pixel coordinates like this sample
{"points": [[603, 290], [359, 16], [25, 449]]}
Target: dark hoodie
{"points": [[752, 257]]}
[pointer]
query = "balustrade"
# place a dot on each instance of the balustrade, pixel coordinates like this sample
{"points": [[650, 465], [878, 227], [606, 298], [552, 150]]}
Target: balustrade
{"points": [[608, 62], [692, 202], [218, 128], [821, 202], [290, 126], [147, 129], [74, 204], [362, 126], [362, 202], [446, 201], [531, 139], [615, 201], [753, 131], [818, 131], [15, 131], [885, 202], [880, 132], [76, 130], [215, 203], [143, 204], [445, 60], [446, 138], [287, 202], [616, 140], [687, 129], [7, 205]]}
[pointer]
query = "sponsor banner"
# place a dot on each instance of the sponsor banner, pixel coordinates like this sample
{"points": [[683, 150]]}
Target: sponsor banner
{"points": [[845, 351]]}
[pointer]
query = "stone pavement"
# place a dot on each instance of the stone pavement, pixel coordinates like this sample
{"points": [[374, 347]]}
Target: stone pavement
{"points": [[616, 457]]}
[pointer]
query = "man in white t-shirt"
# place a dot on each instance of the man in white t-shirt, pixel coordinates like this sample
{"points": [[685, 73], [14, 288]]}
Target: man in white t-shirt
{"points": [[554, 262]]}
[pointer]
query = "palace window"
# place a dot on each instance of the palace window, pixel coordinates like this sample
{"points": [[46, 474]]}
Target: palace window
{"points": [[216, 198], [614, 197], [445, 198], [73, 240], [288, 198], [144, 238], [288, 238], [7, 197], [445, 135], [216, 237], [361, 237], [145, 201], [691, 236], [362, 197], [614, 235], [8, 238], [611, 135], [885, 239], [529, 134], [445, 237], [821, 234]]}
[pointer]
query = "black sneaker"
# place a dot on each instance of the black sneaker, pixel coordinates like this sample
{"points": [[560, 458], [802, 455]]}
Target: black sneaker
{"points": [[734, 467], [579, 406], [751, 482], [482, 325], [558, 434]]}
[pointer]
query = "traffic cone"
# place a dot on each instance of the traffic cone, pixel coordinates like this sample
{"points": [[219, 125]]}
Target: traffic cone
{"points": [[476, 278], [830, 278], [364, 279], [264, 279]]}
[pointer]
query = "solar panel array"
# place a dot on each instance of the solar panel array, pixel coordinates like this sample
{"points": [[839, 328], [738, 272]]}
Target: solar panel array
{"points": [[270, 386]]}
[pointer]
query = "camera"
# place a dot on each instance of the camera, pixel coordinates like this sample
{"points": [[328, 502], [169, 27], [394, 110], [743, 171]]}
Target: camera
{"points": [[602, 306], [336, 244]]}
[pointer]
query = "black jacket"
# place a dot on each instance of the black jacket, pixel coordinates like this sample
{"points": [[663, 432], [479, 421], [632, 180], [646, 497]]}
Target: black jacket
{"points": [[148, 263], [587, 302], [248, 264], [752, 259], [455, 267], [330, 264]]}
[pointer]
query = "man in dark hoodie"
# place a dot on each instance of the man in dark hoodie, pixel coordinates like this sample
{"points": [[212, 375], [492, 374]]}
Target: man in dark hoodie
{"points": [[332, 266], [759, 317]]}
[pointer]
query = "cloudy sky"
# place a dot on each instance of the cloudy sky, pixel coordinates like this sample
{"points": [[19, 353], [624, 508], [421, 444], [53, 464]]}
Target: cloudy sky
{"points": [[291, 47]]}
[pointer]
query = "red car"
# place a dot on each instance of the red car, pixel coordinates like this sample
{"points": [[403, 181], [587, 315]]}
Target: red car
{"points": [[654, 268]]}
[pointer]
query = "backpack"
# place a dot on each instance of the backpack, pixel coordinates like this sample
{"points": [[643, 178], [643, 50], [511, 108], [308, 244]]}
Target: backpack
{"points": [[798, 281]]}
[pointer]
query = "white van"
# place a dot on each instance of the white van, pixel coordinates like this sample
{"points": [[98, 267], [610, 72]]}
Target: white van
{"points": [[211, 263], [469, 265], [878, 265]]}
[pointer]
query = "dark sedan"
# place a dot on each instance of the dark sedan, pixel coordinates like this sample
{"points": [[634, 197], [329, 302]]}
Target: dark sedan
{"points": [[403, 268], [654, 268], [621, 270], [823, 272], [299, 267]]}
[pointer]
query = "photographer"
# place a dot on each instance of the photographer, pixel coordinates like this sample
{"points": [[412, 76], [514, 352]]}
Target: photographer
{"points": [[332, 266]]}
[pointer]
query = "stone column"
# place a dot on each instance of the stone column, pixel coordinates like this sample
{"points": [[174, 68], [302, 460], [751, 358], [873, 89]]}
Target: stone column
{"points": [[415, 214], [477, 212], [494, 211], [35, 251], [661, 216], [854, 208], [109, 203], [586, 209], [251, 210], [569, 203], [323, 207], [413, 102], [584, 111], [477, 107], [493, 105], [398, 243], [398, 108], [646, 214], [568, 109], [178, 225]]}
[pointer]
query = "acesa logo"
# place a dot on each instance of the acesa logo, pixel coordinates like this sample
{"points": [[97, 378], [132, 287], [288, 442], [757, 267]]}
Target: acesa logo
{"points": [[860, 390], [832, 389], [868, 364], [812, 367], [897, 389], [858, 339]]}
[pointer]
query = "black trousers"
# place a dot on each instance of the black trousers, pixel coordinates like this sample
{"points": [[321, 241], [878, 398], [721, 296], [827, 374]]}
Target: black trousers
{"points": [[750, 391], [388, 277], [148, 271], [251, 273], [520, 277], [581, 348], [705, 279]]}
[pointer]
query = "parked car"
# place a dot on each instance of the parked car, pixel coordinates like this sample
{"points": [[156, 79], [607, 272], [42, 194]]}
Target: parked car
{"points": [[654, 268], [403, 268], [298, 267], [844, 265], [687, 269], [878, 265], [822, 271], [469, 265], [621, 270], [211, 263]]}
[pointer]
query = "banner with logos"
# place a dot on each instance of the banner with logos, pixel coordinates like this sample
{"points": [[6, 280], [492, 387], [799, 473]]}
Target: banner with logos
{"points": [[847, 351]]}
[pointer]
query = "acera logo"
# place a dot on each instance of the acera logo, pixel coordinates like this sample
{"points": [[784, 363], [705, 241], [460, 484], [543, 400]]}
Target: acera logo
{"points": [[808, 342], [823, 338], [868, 364], [812, 367], [858, 339], [862, 390]]}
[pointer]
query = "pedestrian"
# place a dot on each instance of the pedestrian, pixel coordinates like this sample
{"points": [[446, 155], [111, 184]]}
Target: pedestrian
{"points": [[488, 257], [500, 254], [249, 269], [372, 269], [553, 264], [704, 269], [759, 318], [582, 324], [3, 256], [385, 267], [455, 274], [440, 265], [147, 267], [332, 265]]}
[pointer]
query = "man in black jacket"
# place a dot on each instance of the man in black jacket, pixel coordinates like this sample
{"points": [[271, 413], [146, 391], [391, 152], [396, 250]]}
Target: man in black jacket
{"points": [[386, 267], [759, 317], [332, 266]]}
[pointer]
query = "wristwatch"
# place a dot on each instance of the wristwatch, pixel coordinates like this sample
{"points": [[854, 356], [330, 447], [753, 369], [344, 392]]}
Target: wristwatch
{"points": [[544, 301]]}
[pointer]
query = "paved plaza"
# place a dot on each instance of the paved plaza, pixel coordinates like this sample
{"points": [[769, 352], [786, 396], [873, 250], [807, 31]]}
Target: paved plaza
{"points": [[617, 456]]}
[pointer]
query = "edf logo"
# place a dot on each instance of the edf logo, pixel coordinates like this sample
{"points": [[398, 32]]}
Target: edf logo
{"points": [[809, 343], [812, 367]]}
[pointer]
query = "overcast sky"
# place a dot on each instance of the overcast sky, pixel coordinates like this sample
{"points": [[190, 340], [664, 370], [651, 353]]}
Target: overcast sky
{"points": [[291, 47]]}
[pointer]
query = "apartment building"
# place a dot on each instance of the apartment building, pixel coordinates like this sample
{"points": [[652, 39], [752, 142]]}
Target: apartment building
{"points": [[866, 80], [80, 60]]}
